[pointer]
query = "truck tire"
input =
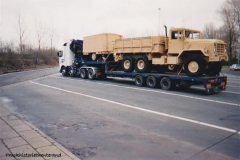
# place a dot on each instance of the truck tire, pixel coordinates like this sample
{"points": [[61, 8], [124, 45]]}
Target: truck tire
{"points": [[83, 73], [214, 69], [139, 81], [151, 82], [194, 66], [142, 64], [91, 75], [64, 71], [128, 64], [71, 72], [166, 83]]}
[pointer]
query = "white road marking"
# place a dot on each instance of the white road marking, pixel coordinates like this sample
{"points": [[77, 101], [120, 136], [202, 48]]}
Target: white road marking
{"points": [[156, 91], [142, 109]]}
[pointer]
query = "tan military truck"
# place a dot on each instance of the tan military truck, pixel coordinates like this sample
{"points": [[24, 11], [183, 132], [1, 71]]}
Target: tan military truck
{"points": [[183, 49]]}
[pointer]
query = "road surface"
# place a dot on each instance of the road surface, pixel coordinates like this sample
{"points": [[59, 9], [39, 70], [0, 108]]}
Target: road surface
{"points": [[99, 120]]}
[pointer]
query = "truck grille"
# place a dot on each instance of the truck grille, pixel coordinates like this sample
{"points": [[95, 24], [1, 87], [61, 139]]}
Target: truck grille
{"points": [[220, 48]]}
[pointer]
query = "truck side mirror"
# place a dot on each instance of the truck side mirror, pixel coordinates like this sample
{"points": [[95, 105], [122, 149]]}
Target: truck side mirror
{"points": [[60, 54]]}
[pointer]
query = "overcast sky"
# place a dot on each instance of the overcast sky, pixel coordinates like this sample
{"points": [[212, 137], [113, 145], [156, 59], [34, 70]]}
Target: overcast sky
{"points": [[79, 18]]}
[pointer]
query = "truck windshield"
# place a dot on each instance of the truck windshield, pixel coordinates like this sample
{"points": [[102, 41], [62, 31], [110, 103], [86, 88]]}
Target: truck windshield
{"points": [[192, 34]]}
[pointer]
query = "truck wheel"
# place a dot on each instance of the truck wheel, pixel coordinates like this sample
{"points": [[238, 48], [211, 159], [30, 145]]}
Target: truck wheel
{"points": [[93, 56], [91, 74], [64, 71], [151, 82], [194, 66], [83, 73], [214, 68], [166, 83], [142, 64], [128, 64], [139, 81], [71, 72]]}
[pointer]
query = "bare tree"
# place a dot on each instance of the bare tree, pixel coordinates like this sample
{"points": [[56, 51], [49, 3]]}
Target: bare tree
{"points": [[210, 31], [22, 32], [52, 36], [228, 17], [41, 31]]}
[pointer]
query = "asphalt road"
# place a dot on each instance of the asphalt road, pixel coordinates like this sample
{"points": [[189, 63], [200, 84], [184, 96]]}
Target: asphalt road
{"points": [[114, 119]]}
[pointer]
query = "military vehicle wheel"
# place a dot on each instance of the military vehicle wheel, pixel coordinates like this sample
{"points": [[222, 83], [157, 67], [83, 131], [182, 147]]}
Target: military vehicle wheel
{"points": [[142, 64], [128, 64], [139, 80], [93, 56], [151, 82], [214, 69], [91, 74], [83, 73], [64, 71], [166, 83], [194, 66]]}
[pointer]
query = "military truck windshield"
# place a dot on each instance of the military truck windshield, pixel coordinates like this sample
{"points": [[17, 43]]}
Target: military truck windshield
{"points": [[192, 34]]}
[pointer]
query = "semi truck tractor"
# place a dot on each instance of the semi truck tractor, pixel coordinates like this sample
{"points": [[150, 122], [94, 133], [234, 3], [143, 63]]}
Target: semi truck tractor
{"points": [[182, 50]]}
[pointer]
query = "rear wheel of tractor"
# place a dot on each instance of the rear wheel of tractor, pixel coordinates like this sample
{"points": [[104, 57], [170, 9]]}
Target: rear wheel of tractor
{"points": [[71, 72], [142, 64], [64, 71], [194, 66], [91, 74], [139, 81], [128, 64], [83, 73], [151, 82], [166, 83]]}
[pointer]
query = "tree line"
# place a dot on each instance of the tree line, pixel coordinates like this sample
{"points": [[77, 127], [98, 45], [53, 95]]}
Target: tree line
{"points": [[229, 32], [23, 55]]}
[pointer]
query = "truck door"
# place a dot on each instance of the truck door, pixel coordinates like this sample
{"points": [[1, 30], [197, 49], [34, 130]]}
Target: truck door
{"points": [[176, 42]]}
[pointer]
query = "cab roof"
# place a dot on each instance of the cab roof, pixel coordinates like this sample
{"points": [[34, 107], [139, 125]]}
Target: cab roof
{"points": [[177, 29]]}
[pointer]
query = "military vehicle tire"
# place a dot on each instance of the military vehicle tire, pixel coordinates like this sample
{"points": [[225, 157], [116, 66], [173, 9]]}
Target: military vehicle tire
{"points": [[142, 64], [128, 64], [83, 73], [194, 66]]}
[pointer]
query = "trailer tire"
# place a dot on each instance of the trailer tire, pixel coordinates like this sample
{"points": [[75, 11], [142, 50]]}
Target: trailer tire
{"points": [[166, 83], [83, 73], [128, 64], [139, 81], [64, 71], [91, 74], [194, 66], [142, 64], [151, 82]]}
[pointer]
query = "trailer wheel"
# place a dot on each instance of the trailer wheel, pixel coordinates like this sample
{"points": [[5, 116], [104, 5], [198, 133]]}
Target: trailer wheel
{"points": [[71, 72], [166, 83], [83, 73], [64, 71], [194, 66], [128, 64], [91, 74], [151, 82], [139, 81], [142, 64]]}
